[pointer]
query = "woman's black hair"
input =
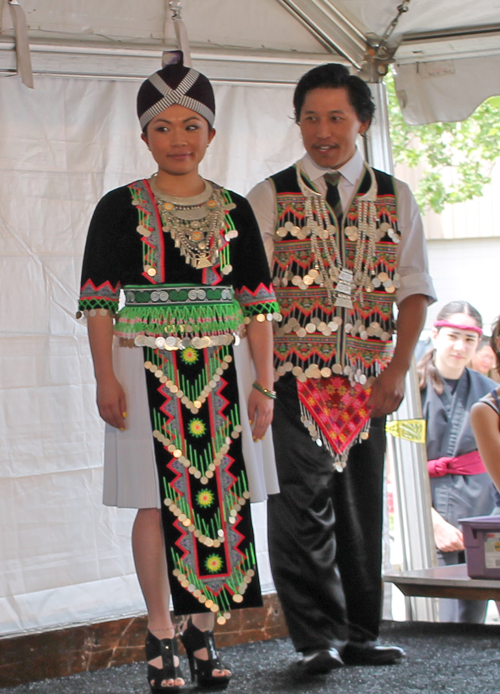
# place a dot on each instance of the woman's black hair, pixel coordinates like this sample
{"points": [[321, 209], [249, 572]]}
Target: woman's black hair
{"points": [[484, 341], [336, 76], [427, 364]]}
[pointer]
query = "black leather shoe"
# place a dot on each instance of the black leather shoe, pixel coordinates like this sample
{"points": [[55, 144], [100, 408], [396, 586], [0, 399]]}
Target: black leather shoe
{"points": [[318, 662], [370, 653]]}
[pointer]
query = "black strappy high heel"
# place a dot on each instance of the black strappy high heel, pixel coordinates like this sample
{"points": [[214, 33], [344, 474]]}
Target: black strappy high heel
{"points": [[167, 649], [194, 640]]}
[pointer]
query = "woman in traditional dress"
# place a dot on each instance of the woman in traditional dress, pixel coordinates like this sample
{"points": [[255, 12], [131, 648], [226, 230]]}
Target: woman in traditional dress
{"points": [[188, 258], [460, 485], [485, 420]]}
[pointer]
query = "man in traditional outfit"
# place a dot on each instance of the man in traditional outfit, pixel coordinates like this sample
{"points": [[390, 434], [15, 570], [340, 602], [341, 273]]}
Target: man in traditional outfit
{"points": [[344, 242]]}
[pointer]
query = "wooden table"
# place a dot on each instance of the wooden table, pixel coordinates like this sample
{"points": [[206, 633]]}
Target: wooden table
{"points": [[444, 582]]}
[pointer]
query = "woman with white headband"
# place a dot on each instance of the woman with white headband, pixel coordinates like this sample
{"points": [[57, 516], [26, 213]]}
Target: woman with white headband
{"points": [[460, 485], [187, 256]]}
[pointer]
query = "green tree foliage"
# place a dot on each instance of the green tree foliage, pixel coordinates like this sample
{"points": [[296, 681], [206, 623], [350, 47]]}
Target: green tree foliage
{"points": [[456, 158]]}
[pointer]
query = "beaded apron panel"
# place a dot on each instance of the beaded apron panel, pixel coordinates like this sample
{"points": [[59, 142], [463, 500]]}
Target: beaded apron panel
{"points": [[203, 485]]}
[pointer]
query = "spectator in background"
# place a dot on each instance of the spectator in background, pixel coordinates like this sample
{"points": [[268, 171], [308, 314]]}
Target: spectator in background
{"points": [[484, 359], [460, 485], [485, 420]]}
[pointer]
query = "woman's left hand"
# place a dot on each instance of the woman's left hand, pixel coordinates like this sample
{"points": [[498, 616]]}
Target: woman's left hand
{"points": [[260, 412]]}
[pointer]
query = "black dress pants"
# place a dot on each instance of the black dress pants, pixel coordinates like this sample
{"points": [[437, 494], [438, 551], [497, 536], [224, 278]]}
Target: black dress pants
{"points": [[325, 532]]}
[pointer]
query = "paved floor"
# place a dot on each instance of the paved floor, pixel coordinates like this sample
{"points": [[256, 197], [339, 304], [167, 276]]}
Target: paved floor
{"points": [[442, 658]]}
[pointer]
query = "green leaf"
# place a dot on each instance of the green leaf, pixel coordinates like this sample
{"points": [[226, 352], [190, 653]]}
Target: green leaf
{"points": [[457, 158]]}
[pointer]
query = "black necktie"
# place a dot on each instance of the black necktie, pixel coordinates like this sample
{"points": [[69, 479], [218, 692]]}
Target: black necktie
{"points": [[332, 193]]}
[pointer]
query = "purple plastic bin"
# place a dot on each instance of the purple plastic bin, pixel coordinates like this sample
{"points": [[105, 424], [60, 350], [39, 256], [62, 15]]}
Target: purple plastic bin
{"points": [[482, 546]]}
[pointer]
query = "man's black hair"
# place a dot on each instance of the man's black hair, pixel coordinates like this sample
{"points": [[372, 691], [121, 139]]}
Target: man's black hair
{"points": [[336, 76]]}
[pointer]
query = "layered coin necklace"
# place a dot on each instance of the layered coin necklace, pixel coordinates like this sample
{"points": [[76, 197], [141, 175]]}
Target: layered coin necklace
{"points": [[342, 284], [195, 224]]}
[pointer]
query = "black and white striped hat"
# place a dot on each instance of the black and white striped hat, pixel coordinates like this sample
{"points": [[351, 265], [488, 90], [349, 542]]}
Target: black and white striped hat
{"points": [[175, 84]]}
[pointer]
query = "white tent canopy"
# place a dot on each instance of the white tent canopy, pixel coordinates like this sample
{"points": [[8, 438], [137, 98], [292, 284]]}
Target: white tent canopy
{"points": [[447, 53], [64, 557]]}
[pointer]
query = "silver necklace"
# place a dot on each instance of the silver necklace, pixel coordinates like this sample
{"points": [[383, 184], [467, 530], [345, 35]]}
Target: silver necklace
{"points": [[340, 282], [194, 223]]}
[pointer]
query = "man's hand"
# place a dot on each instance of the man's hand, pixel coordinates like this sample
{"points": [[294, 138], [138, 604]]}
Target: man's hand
{"points": [[446, 536], [389, 388], [387, 391]]}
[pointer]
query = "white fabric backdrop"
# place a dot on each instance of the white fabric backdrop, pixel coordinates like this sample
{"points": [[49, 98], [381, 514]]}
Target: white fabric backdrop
{"points": [[65, 558]]}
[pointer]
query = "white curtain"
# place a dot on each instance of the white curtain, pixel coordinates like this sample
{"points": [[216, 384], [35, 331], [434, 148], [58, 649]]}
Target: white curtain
{"points": [[64, 557]]}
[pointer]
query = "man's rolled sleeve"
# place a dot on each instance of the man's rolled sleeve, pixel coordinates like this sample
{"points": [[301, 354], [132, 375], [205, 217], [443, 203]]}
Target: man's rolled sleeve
{"points": [[412, 251]]}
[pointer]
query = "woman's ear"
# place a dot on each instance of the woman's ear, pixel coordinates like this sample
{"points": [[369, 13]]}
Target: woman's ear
{"points": [[144, 138], [211, 135]]}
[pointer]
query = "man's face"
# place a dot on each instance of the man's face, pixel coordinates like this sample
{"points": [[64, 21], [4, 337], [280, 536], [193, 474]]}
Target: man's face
{"points": [[329, 126]]}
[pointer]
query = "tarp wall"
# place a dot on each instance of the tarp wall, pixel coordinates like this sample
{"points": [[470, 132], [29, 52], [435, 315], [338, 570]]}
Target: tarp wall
{"points": [[65, 558]]}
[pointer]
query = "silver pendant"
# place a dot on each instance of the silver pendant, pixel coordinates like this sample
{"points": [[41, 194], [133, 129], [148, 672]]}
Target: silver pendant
{"points": [[344, 301], [346, 275], [344, 288], [203, 262]]}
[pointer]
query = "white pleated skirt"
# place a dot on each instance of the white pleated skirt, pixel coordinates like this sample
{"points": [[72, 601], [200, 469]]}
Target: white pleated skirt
{"points": [[130, 473]]}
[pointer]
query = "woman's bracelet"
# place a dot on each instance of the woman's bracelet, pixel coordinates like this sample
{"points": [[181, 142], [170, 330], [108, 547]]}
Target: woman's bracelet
{"points": [[270, 393]]}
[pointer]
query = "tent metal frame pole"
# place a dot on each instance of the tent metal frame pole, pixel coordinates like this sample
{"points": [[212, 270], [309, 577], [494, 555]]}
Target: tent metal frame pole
{"points": [[100, 60], [408, 459], [330, 27]]}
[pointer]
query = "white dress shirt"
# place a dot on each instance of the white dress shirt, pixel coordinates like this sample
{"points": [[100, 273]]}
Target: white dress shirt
{"points": [[412, 265]]}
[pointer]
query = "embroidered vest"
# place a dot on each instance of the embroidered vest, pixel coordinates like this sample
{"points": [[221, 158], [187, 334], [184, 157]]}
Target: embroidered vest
{"points": [[317, 338]]}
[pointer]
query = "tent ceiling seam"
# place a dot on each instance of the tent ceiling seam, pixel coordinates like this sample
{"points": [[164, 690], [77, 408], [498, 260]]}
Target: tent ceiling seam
{"points": [[470, 32]]}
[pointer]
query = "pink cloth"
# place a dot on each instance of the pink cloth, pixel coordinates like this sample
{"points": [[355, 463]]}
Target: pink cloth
{"points": [[447, 324], [467, 464]]}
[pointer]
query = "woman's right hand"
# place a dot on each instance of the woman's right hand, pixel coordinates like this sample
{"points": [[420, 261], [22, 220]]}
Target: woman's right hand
{"points": [[111, 402], [446, 536], [260, 412]]}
